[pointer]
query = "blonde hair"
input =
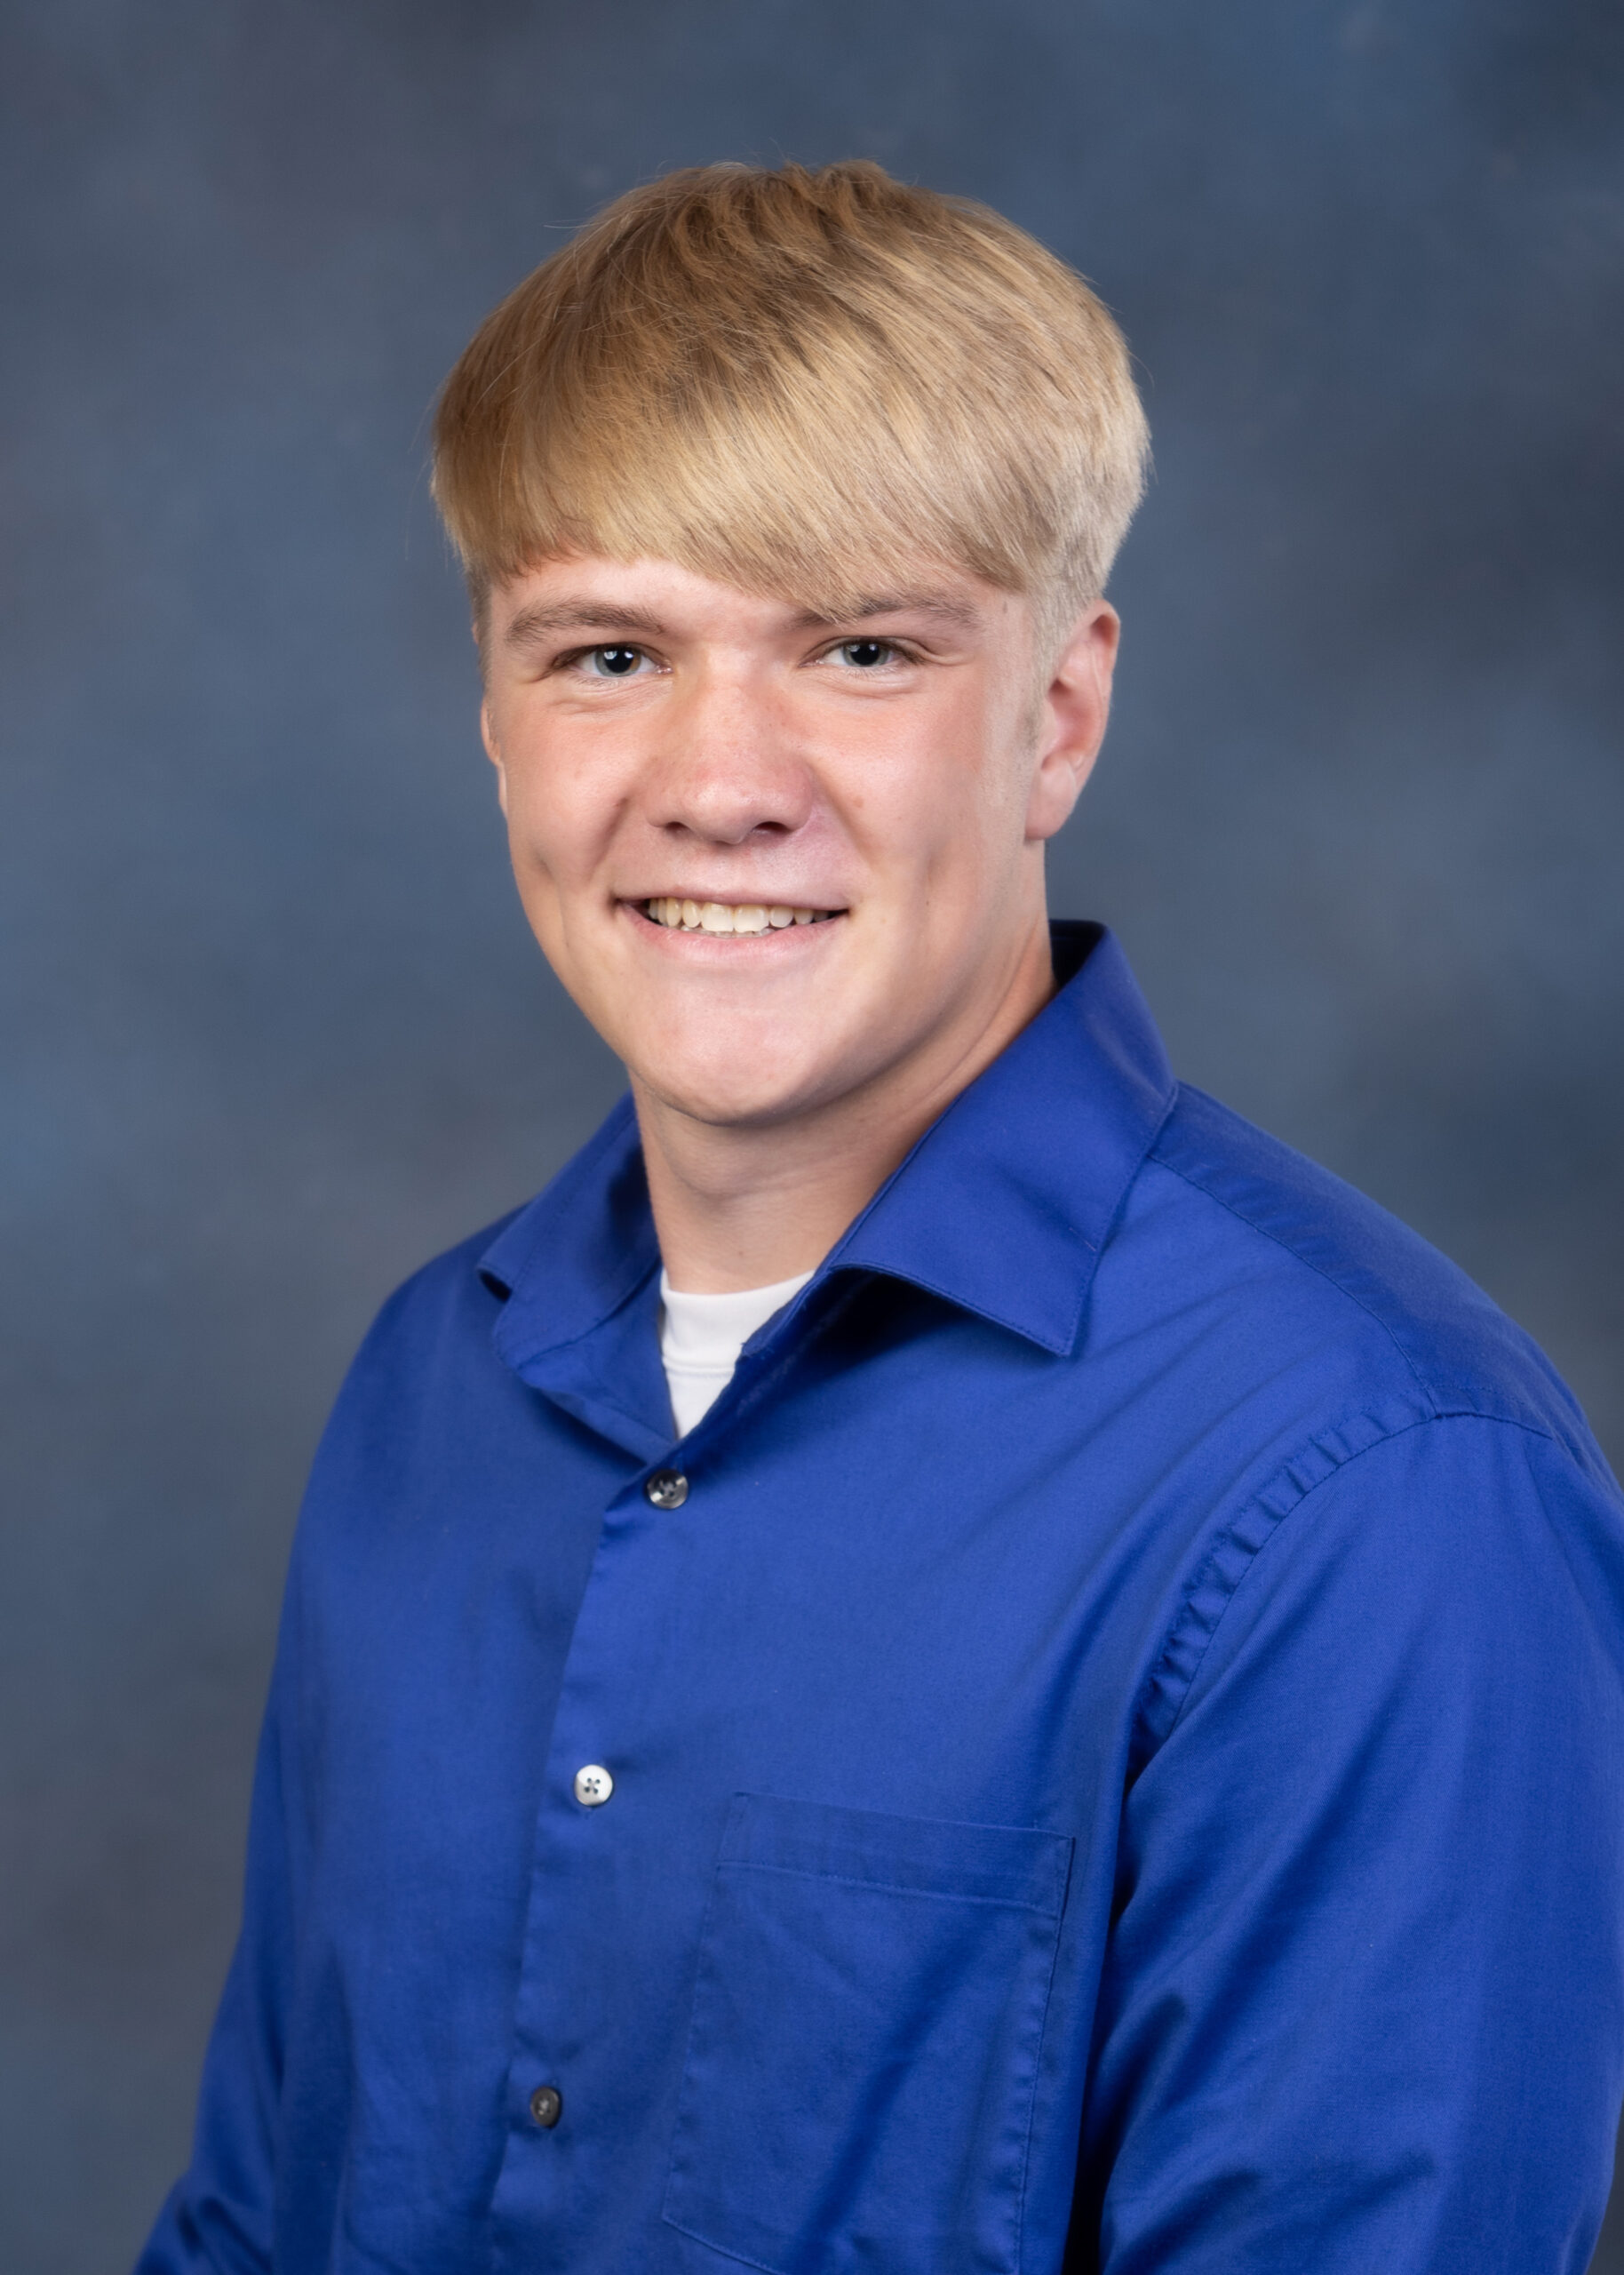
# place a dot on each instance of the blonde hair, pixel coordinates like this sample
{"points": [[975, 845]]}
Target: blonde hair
{"points": [[797, 383]]}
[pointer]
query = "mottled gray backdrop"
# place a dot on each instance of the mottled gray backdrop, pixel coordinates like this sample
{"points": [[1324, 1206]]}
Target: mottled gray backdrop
{"points": [[273, 1030]]}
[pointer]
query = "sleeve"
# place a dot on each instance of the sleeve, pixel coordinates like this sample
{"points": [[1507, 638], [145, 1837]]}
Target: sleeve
{"points": [[1364, 2005], [219, 2218]]}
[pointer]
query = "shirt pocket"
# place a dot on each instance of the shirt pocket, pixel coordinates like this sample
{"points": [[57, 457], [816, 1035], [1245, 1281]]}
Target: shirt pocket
{"points": [[863, 2056]]}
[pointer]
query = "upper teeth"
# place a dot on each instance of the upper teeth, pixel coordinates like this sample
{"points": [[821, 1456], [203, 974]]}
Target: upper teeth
{"points": [[723, 917]]}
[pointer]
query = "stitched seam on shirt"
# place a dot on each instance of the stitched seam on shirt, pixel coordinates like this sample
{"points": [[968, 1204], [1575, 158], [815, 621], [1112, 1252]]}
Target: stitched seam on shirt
{"points": [[550, 1350], [711, 2244], [890, 1887], [980, 1310], [1388, 1437], [1308, 1265], [1259, 1502], [569, 1342], [1093, 1250], [821, 1320]]}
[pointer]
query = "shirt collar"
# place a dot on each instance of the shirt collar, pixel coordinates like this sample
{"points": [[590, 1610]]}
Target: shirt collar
{"points": [[1007, 1201], [1002, 1207]]}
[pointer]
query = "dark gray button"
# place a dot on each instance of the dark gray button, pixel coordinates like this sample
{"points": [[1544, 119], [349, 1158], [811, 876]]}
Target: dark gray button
{"points": [[667, 1488], [547, 2105]]}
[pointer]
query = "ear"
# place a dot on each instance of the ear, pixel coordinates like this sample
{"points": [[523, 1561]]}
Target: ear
{"points": [[488, 735], [1071, 717]]}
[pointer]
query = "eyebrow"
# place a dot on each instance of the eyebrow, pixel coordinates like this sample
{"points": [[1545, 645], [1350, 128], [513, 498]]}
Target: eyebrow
{"points": [[943, 606], [542, 617]]}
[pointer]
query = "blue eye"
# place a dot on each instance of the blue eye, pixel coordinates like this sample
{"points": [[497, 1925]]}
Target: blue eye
{"points": [[865, 654], [617, 663]]}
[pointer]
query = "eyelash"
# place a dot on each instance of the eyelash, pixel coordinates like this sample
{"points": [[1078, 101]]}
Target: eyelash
{"points": [[580, 657], [894, 652]]}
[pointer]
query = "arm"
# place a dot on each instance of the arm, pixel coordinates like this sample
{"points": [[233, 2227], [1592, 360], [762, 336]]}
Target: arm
{"points": [[219, 2218], [1365, 2006]]}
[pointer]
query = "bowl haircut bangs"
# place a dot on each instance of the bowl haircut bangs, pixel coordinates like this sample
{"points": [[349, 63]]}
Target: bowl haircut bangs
{"points": [[801, 384]]}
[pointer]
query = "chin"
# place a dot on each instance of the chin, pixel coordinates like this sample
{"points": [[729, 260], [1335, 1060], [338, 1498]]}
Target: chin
{"points": [[737, 1090], [739, 1105]]}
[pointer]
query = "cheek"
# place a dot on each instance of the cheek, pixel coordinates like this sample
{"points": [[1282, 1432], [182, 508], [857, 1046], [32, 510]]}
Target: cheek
{"points": [[954, 812], [918, 791], [556, 826]]}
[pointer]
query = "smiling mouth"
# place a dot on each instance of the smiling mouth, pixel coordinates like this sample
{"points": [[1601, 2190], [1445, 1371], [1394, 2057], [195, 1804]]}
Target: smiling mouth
{"points": [[718, 916]]}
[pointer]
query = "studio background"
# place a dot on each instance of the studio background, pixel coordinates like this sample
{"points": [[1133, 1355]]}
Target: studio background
{"points": [[273, 1030]]}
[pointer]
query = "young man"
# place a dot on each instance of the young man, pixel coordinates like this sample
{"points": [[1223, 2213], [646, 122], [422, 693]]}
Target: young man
{"points": [[942, 1661]]}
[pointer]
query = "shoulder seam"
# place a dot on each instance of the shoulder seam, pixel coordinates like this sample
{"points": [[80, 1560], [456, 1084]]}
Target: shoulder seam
{"points": [[1217, 1578], [1307, 1263]]}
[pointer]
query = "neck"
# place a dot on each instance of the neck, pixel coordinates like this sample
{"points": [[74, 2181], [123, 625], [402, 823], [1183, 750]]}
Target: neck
{"points": [[743, 1206]]}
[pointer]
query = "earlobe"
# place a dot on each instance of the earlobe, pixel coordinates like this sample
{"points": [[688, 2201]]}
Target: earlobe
{"points": [[1075, 710], [1056, 787]]}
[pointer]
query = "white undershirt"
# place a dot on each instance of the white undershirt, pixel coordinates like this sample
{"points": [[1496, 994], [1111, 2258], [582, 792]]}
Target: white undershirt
{"points": [[701, 1338]]}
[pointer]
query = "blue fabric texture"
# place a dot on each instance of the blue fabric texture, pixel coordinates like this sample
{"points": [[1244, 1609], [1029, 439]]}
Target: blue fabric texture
{"points": [[1118, 1759]]}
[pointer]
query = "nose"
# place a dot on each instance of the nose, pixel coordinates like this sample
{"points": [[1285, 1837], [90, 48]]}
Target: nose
{"points": [[727, 766]]}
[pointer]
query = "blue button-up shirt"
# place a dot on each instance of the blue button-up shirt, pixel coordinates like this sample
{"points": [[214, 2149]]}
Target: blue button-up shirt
{"points": [[1118, 1759]]}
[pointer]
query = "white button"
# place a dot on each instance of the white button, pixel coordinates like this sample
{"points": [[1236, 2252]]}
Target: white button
{"points": [[592, 1785]]}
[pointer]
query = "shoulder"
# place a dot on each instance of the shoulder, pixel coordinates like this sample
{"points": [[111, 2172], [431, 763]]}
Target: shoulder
{"points": [[427, 1358], [426, 1418], [447, 1301], [1317, 1259], [1430, 1455]]}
